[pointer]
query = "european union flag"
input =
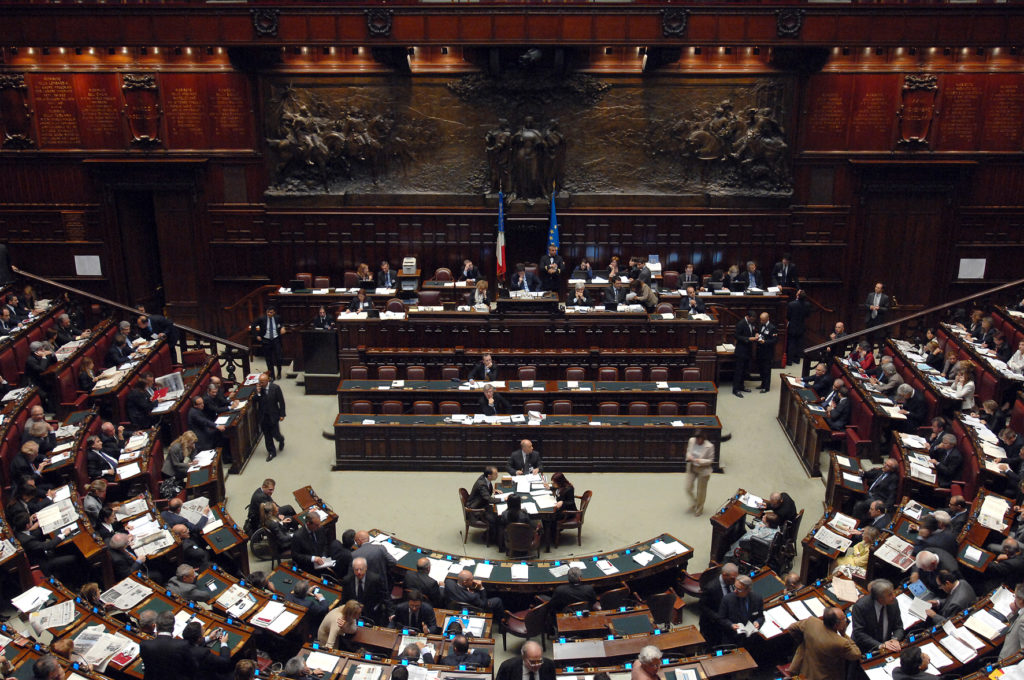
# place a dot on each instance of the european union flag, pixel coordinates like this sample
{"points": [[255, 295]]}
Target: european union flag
{"points": [[553, 239]]}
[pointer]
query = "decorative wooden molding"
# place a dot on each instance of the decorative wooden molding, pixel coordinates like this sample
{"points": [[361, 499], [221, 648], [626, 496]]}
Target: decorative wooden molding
{"points": [[788, 22], [265, 22], [379, 22], [674, 21]]}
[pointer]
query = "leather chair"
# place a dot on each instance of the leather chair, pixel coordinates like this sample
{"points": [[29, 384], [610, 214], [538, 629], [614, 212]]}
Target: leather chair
{"points": [[394, 305], [450, 373], [634, 374], [574, 520], [608, 374], [416, 373], [359, 373], [429, 298], [322, 282], [663, 607], [522, 538], [351, 280], [664, 308], [474, 518], [691, 373], [698, 408], [561, 407], [306, 278], [659, 373], [575, 373], [670, 280], [638, 408], [668, 408], [616, 597], [534, 405], [447, 408], [443, 274], [387, 373], [608, 408], [391, 408], [526, 624], [423, 408], [362, 407], [526, 372]]}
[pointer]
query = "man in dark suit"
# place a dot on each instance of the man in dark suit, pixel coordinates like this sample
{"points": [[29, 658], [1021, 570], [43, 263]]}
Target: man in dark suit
{"points": [[958, 512], [744, 337], [752, 277], [205, 427], [40, 358], [421, 581], [1008, 567], [415, 614], [819, 380], [524, 280], [461, 654], [172, 515], [268, 330], [164, 657], [913, 405], [525, 461], [322, 320], [930, 537], [378, 559], [310, 598], [797, 311], [928, 565], [740, 607], [959, 596], [876, 619], [572, 592], [481, 497], [551, 266], [42, 550], [123, 559], [713, 591], [877, 305], [492, 403], [183, 584], [211, 666], [783, 505], [485, 370], [881, 484], [112, 438], [270, 402], [784, 273], [690, 303], [311, 546], [531, 666], [139, 407], [838, 416], [767, 338], [66, 332], [615, 293], [119, 351], [370, 590], [689, 275], [26, 463], [99, 463], [7, 322], [469, 272], [192, 552], [877, 516], [947, 460], [467, 590], [385, 277]]}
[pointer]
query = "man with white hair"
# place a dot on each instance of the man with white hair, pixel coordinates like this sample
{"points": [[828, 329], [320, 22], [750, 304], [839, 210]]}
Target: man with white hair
{"points": [[470, 591], [742, 606], [713, 591], [66, 332], [183, 584], [947, 460], [368, 589], [927, 567], [912, 404], [532, 665], [648, 664], [876, 619]]}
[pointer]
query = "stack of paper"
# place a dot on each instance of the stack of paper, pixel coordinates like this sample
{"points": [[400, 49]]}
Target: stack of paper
{"points": [[520, 572], [896, 552], [992, 512], [643, 558], [607, 567], [126, 594], [31, 599], [264, 617], [665, 550]]}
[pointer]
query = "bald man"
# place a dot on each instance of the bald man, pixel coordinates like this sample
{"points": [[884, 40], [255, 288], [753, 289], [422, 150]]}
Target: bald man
{"points": [[531, 665], [378, 559], [823, 648], [525, 461]]}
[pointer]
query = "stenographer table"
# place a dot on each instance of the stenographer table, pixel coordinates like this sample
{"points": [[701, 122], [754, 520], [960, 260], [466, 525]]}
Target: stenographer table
{"points": [[805, 428], [569, 443]]}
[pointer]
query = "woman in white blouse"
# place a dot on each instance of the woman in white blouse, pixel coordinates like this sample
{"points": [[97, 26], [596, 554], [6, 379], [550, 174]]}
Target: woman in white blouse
{"points": [[480, 296], [963, 385], [1016, 362], [700, 454]]}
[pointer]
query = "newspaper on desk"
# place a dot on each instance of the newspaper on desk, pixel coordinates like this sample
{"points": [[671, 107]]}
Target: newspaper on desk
{"points": [[60, 614], [131, 508], [236, 600], [193, 510], [97, 646], [126, 594], [7, 548], [153, 543], [896, 551], [829, 538], [843, 523], [16, 394], [57, 516], [992, 512], [751, 501]]}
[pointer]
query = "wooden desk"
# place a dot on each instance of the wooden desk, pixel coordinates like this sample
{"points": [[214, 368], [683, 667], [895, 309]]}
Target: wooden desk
{"points": [[615, 649], [1001, 386], [841, 492], [306, 498], [220, 581], [806, 430], [228, 540], [207, 481], [107, 397], [585, 398], [243, 432], [727, 524], [569, 443]]}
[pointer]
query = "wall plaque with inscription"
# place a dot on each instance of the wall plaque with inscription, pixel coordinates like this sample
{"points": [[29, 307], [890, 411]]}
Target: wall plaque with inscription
{"points": [[827, 111], [56, 110], [1004, 110], [959, 119], [99, 110], [184, 100], [227, 96], [917, 109], [15, 112], [142, 108], [874, 112]]}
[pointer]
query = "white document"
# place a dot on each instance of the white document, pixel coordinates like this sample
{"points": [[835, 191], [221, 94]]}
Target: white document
{"points": [[264, 617], [559, 571], [958, 649], [800, 609], [973, 554], [483, 570], [130, 470], [985, 625], [1001, 599], [909, 618], [439, 569], [936, 655], [780, 617], [322, 662], [843, 523], [280, 624], [607, 567], [520, 572], [643, 558], [852, 479], [53, 617], [223, 420]]}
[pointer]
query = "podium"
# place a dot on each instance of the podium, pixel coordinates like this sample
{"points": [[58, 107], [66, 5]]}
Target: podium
{"points": [[320, 360]]}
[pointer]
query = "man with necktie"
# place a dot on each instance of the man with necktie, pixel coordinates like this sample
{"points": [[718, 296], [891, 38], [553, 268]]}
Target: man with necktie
{"points": [[524, 280], [878, 305], [531, 666], [745, 336], [270, 402], [415, 614], [268, 330], [767, 337], [713, 592], [881, 483], [784, 273], [752, 277], [740, 607], [386, 277], [876, 619], [370, 590], [7, 324]]}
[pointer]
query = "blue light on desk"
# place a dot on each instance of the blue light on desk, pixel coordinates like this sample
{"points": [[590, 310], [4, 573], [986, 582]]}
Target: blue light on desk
{"points": [[611, 637], [462, 666], [570, 669], [230, 620], [323, 581], [465, 612], [557, 562], [562, 640], [447, 557], [629, 665], [368, 657], [487, 561], [294, 568], [36, 647], [657, 631], [128, 626], [786, 597], [167, 593], [360, 623], [913, 637], [622, 609], [869, 655], [594, 558], [405, 662], [419, 550], [75, 666], [666, 660], [629, 550], [718, 652], [242, 583], [316, 645], [273, 596]]}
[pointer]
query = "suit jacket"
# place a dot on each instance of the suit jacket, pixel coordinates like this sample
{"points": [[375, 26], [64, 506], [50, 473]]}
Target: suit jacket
{"points": [[194, 554], [949, 467], [472, 274], [567, 594], [942, 540], [122, 563], [482, 495], [167, 658], [917, 410], [744, 331], [769, 332], [585, 301], [20, 467], [734, 610], [139, 410], [867, 628], [117, 355], [550, 281], [357, 305], [212, 665], [37, 546], [375, 597], [378, 559], [97, 465], [758, 281], [531, 281], [388, 279], [85, 382], [525, 462], [883, 307], [512, 669], [881, 485], [427, 586], [840, 416], [962, 597], [481, 372], [35, 365], [456, 592], [500, 405], [323, 322], [1009, 572], [307, 545], [698, 305], [111, 444], [404, 618], [271, 405], [946, 561], [1014, 640], [789, 279], [821, 386], [173, 518], [475, 657], [822, 653], [613, 294], [711, 598], [189, 591], [259, 328], [203, 426], [646, 297], [786, 510]]}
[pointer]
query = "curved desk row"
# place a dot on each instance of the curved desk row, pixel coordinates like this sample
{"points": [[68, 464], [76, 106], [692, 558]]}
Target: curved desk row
{"points": [[621, 565], [568, 443]]}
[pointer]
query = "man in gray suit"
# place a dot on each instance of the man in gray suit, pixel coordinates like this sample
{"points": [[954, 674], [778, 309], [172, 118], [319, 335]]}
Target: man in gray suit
{"points": [[959, 596], [378, 559], [1014, 641]]}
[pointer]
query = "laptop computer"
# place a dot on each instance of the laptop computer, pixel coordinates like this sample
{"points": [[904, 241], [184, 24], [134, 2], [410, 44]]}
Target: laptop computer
{"points": [[297, 284]]}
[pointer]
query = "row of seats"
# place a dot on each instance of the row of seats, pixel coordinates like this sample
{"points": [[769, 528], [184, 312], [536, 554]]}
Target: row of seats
{"points": [[560, 407], [14, 356], [68, 395], [669, 278], [11, 443], [984, 380], [604, 373]]}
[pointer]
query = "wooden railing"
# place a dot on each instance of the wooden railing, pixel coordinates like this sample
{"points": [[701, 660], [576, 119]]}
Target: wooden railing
{"points": [[909, 323], [232, 356], [239, 316]]}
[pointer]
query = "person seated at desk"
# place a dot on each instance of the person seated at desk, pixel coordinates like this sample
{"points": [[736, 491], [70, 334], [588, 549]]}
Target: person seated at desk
{"points": [[360, 303], [119, 352], [311, 547], [67, 333], [837, 416], [752, 278], [492, 403], [339, 627], [28, 463], [183, 584], [647, 665], [740, 607], [28, 498], [859, 552], [363, 272], [913, 665], [469, 272], [616, 292], [7, 322], [107, 524], [524, 280], [550, 267], [819, 380], [211, 666], [930, 535], [912, 404], [762, 530], [525, 460], [480, 296], [876, 619], [692, 304], [564, 493], [208, 433], [1001, 347], [689, 276], [309, 597], [933, 355], [92, 502], [1016, 362], [888, 381], [99, 464], [484, 370], [415, 614], [482, 498], [416, 653], [641, 294], [963, 385], [571, 592], [947, 460], [928, 565], [281, 527], [639, 271], [1014, 640], [880, 483], [385, 277], [862, 356], [43, 434], [959, 596], [462, 655], [584, 270], [87, 375], [615, 269], [139, 407], [580, 298], [322, 320], [994, 417], [514, 514], [467, 590], [172, 515]]}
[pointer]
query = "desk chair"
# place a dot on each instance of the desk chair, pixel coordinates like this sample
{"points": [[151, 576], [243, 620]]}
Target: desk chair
{"points": [[394, 305], [608, 408], [423, 408], [634, 374], [387, 373], [416, 373], [608, 374], [663, 607], [391, 408], [664, 308], [691, 373], [561, 407], [659, 373], [362, 407], [443, 274], [638, 408], [574, 520], [698, 408], [670, 280], [447, 408], [351, 280], [668, 408], [359, 373], [526, 624], [450, 373], [322, 282], [575, 373], [616, 597], [521, 538], [533, 405], [526, 372], [306, 278], [429, 298], [474, 518]]}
